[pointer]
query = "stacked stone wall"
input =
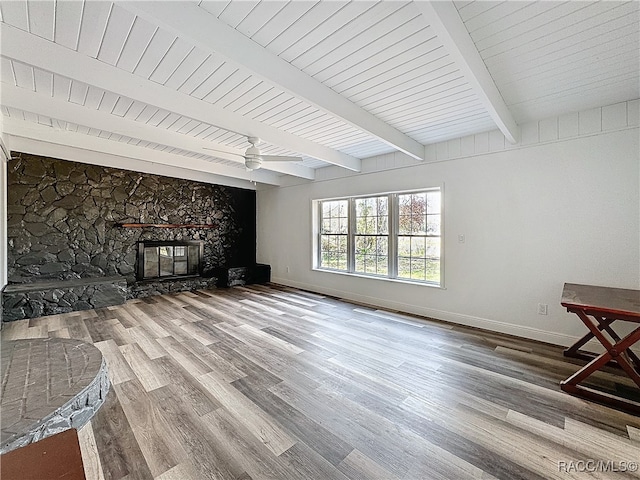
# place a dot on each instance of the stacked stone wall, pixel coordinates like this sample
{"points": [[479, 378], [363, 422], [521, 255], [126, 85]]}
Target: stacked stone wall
{"points": [[63, 222]]}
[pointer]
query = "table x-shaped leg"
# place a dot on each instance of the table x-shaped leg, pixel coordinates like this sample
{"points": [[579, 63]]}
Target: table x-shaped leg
{"points": [[618, 352], [603, 324]]}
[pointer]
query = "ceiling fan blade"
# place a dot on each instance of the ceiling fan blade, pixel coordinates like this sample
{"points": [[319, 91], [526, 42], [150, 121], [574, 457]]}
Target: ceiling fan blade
{"points": [[280, 158]]}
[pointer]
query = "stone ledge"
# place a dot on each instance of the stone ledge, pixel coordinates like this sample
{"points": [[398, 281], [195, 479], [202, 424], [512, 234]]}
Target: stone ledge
{"points": [[30, 300], [61, 284]]}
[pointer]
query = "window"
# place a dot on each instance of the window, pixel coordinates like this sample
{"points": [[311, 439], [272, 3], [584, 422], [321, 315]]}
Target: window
{"points": [[396, 235], [371, 235], [419, 236], [333, 238]]}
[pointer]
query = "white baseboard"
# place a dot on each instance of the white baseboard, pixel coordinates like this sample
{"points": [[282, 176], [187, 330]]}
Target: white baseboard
{"points": [[451, 317]]}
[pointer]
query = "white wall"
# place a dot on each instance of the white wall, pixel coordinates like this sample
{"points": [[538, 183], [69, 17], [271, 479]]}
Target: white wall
{"points": [[534, 217]]}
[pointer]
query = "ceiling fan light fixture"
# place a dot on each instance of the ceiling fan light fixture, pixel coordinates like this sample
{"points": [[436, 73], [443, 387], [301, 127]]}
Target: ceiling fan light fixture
{"points": [[252, 163]]}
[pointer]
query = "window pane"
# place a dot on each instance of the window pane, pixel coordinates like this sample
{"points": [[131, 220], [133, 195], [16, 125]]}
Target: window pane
{"points": [[433, 247], [334, 217], [383, 224], [418, 269], [371, 254], [342, 243], [333, 249], [382, 246], [383, 265], [418, 247], [419, 202], [404, 267], [370, 264], [371, 225], [404, 201], [362, 209], [433, 270], [433, 202], [364, 245], [335, 209], [404, 246], [342, 261], [404, 224], [343, 226], [371, 215], [383, 205], [433, 224], [418, 224]]}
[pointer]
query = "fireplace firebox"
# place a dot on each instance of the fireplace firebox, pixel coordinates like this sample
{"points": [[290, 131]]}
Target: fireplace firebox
{"points": [[169, 259]]}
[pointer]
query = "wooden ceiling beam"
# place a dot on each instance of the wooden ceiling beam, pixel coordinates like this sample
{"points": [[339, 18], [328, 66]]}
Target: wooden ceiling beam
{"points": [[191, 22], [41, 53], [443, 17], [39, 139], [23, 99]]}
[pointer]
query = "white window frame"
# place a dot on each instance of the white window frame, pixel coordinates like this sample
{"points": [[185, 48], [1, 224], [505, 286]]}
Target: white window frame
{"points": [[393, 229]]}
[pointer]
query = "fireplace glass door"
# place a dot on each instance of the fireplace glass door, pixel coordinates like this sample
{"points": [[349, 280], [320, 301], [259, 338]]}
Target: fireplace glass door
{"points": [[169, 259]]}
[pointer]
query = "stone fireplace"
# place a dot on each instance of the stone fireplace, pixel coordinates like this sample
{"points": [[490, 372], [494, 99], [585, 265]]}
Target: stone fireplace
{"points": [[75, 232]]}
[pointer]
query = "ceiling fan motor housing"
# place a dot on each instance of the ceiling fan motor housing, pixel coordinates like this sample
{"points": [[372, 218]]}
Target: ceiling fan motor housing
{"points": [[252, 151]]}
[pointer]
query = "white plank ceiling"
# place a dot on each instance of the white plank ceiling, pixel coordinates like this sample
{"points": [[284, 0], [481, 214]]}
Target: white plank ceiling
{"points": [[330, 82]]}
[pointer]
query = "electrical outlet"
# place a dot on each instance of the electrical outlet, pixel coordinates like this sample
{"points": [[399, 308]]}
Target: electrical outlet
{"points": [[461, 238], [542, 308], [287, 269]]}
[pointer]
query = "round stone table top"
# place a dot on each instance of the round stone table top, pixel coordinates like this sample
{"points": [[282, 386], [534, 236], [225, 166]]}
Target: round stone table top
{"points": [[48, 385]]}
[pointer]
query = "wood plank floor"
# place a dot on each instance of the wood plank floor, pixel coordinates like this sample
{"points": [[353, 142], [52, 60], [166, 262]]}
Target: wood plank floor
{"points": [[268, 382]]}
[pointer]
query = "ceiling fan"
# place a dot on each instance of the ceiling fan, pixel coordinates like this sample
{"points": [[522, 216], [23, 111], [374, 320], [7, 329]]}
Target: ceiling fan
{"points": [[253, 158]]}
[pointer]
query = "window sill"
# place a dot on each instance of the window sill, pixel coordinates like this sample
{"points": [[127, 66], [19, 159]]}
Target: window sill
{"points": [[384, 279]]}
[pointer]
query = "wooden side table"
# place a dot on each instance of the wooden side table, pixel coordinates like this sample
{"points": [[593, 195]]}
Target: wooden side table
{"points": [[599, 308]]}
